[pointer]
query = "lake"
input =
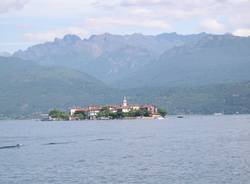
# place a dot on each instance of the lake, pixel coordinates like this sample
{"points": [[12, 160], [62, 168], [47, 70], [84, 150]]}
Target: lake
{"points": [[192, 150]]}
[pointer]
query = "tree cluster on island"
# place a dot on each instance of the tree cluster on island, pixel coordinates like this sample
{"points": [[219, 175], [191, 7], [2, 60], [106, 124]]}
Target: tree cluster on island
{"points": [[58, 115]]}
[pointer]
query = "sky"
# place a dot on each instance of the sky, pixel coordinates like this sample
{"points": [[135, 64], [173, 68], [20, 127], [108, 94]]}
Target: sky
{"points": [[24, 23]]}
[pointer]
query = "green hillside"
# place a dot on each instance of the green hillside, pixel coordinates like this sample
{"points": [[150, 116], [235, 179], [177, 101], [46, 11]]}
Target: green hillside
{"points": [[26, 88], [220, 98]]}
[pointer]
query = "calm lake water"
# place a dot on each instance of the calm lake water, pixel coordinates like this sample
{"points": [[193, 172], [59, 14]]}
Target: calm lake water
{"points": [[192, 150]]}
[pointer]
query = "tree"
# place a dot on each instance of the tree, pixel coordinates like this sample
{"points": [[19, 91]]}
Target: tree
{"points": [[80, 115], [113, 115], [57, 114], [105, 112], [162, 112], [120, 114], [146, 113]]}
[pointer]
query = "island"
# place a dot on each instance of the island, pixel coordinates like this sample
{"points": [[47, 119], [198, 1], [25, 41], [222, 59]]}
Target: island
{"points": [[109, 112]]}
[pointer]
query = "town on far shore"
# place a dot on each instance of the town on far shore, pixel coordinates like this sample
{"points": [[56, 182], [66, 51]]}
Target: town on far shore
{"points": [[109, 112]]}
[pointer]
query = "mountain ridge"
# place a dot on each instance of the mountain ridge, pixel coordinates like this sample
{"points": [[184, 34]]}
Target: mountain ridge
{"points": [[213, 59], [117, 59], [105, 51]]}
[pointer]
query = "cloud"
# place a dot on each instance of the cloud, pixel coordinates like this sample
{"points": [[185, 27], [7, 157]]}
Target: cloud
{"points": [[179, 3], [125, 22], [38, 37], [145, 2], [215, 16], [93, 26], [7, 5], [213, 26], [85, 17], [192, 8], [242, 32]]}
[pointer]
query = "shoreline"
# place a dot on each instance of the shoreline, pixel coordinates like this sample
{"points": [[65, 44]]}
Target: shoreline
{"points": [[168, 116]]}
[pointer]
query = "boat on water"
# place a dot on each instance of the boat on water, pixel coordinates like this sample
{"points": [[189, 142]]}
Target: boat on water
{"points": [[180, 116], [218, 114], [9, 147], [160, 118]]}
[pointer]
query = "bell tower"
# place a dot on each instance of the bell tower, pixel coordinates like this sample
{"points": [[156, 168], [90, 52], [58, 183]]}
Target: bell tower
{"points": [[125, 102]]}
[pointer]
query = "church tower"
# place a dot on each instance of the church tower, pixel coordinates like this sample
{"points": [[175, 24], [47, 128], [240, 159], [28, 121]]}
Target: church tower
{"points": [[125, 102]]}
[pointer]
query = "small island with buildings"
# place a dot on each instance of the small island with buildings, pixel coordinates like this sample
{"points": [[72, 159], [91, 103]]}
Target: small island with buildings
{"points": [[109, 112]]}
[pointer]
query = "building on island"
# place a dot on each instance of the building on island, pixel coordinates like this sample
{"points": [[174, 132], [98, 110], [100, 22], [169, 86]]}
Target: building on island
{"points": [[92, 112]]}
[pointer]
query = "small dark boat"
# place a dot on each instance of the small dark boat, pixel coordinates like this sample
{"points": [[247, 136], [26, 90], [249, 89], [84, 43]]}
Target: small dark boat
{"points": [[9, 147], [180, 116], [55, 143]]}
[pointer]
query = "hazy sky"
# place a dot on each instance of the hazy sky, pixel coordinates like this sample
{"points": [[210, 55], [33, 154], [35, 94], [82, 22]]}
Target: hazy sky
{"points": [[26, 22]]}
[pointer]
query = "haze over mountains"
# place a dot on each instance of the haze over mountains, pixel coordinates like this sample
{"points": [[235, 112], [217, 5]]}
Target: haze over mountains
{"points": [[105, 67]]}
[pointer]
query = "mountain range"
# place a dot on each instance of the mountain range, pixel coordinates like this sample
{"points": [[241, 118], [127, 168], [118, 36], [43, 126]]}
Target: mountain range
{"points": [[167, 59], [160, 69]]}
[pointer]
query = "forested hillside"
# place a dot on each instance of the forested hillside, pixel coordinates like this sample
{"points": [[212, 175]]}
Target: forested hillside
{"points": [[26, 88]]}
